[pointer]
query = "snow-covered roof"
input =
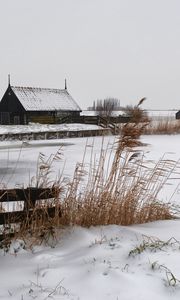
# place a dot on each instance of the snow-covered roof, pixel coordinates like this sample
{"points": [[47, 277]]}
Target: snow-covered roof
{"points": [[44, 99]]}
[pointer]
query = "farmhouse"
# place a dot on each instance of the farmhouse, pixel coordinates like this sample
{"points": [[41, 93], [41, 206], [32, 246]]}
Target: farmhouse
{"points": [[21, 105]]}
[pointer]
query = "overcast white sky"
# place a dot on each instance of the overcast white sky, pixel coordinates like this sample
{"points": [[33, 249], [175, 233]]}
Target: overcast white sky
{"points": [[126, 49]]}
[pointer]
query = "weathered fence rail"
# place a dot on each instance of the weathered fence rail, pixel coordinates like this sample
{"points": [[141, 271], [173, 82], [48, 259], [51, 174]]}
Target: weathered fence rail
{"points": [[96, 120], [28, 194], [30, 197], [108, 122]]}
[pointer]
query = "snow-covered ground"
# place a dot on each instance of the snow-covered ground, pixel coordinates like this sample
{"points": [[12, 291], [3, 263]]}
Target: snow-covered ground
{"points": [[154, 114], [102, 263], [162, 114]]}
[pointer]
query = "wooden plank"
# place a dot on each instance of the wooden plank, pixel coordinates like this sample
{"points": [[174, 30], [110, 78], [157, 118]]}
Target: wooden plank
{"points": [[19, 216], [29, 194], [4, 236]]}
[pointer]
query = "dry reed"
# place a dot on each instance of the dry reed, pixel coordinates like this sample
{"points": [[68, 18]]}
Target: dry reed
{"points": [[120, 189], [128, 194], [163, 126]]}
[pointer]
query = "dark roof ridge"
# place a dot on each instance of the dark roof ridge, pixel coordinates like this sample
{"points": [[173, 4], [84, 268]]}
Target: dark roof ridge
{"points": [[37, 88]]}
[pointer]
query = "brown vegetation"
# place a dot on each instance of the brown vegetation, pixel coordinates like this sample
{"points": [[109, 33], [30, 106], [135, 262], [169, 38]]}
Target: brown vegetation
{"points": [[124, 192], [163, 126]]}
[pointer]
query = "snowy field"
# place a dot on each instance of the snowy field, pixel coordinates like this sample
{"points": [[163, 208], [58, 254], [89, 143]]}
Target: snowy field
{"points": [[162, 114], [102, 263], [153, 114]]}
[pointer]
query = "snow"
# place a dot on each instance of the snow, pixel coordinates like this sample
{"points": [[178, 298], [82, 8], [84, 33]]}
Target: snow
{"points": [[43, 99], [153, 114], [114, 113], [97, 263], [35, 127], [162, 115]]}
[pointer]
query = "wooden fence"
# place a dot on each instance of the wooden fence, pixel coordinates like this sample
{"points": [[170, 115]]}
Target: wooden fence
{"points": [[96, 120], [108, 126], [30, 197]]}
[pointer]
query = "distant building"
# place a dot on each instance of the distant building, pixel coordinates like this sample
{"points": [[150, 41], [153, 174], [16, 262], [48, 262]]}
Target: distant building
{"points": [[178, 115], [21, 105]]}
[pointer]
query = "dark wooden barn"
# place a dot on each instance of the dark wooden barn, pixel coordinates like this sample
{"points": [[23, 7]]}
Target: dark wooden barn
{"points": [[178, 115], [21, 105]]}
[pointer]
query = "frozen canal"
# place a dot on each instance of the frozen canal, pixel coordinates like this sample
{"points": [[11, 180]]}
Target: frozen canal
{"points": [[18, 160]]}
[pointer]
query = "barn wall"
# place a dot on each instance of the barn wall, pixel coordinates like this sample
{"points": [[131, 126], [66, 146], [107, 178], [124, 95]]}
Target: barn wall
{"points": [[11, 110], [10, 102], [46, 117], [41, 117]]}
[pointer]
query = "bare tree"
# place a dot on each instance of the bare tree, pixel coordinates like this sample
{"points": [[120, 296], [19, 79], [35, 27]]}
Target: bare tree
{"points": [[105, 107]]}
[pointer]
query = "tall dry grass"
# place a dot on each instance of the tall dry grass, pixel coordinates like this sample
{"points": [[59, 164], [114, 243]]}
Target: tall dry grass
{"points": [[120, 188], [153, 125], [127, 194], [163, 126]]}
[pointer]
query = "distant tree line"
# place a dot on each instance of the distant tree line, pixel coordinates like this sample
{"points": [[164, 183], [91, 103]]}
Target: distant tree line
{"points": [[106, 106]]}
